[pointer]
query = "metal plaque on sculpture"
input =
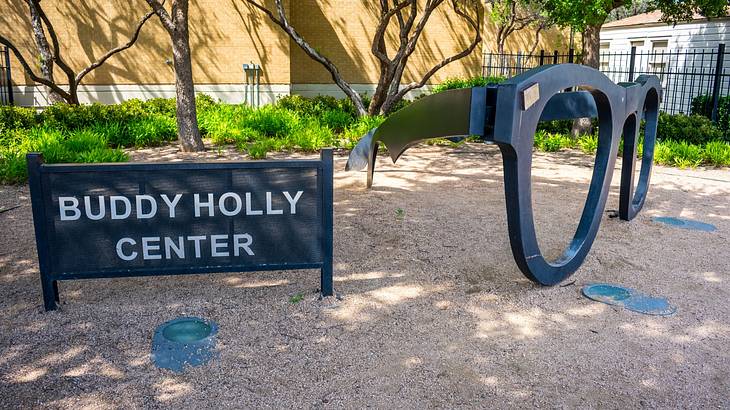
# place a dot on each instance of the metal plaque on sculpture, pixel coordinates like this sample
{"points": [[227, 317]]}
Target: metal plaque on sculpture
{"points": [[156, 219]]}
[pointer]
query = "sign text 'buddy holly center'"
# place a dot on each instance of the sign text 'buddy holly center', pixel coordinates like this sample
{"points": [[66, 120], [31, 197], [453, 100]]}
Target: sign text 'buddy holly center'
{"points": [[114, 220]]}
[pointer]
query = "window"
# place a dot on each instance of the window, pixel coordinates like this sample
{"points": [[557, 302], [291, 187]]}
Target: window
{"points": [[637, 43], [659, 58], [604, 56], [659, 46]]}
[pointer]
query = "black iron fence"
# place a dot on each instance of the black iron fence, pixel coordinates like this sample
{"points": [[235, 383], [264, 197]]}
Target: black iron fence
{"points": [[685, 74], [6, 83], [510, 65]]}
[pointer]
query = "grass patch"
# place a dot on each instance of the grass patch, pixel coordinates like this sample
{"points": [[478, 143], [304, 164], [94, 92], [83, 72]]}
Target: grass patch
{"points": [[95, 132]]}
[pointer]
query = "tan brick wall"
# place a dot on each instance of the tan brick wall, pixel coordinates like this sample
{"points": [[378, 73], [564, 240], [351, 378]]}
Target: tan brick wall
{"points": [[343, 31], [224, 35], [227, 33]]}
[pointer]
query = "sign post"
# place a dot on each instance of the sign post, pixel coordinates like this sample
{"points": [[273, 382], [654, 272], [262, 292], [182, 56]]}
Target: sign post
{"points": [[145, 219]]}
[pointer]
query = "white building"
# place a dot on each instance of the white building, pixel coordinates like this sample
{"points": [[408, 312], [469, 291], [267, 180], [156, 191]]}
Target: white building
{"points": [[684, 56], [648, 33]]}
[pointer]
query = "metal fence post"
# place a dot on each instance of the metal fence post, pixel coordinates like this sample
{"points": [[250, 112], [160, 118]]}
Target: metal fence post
{"points": [[717, 80], [555, 57], [571, 53], [632, 63], [542, 57]]}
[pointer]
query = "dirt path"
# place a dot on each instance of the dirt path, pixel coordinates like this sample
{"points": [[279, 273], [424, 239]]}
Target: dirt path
{"points": [[435, 312]]}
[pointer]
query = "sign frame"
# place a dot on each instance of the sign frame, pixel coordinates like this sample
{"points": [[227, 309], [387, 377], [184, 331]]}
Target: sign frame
{"points": [[40, 197]]}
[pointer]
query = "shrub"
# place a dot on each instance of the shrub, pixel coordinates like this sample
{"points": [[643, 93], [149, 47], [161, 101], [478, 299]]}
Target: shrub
{"points": [[102, 155], [548, 142], [588, 143], [271, 121], [259, 148], [336, 120], [116, 133], [12, 117], [151, 131], [558, 126], [222, 121], [13, 168], [694, 129], [702, 105], [310, 137], [717, 153], [349, 138], [161, 106], [85, 145], [455, 83], [317, 105], [203, 102], [84, 140], [678, 153]]}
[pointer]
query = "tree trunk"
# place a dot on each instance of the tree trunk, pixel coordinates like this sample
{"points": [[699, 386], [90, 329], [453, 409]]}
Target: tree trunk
{"points": [[592, 45], [591, 57], [187, 118], [44, 51]]}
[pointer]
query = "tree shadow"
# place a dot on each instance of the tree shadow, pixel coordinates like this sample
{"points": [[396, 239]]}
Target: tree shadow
{"points": [[434, 311]]}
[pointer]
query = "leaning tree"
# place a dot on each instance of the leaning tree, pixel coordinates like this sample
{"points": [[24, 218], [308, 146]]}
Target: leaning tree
{"points": [[175, 23], [50, 55], [408, 18]]}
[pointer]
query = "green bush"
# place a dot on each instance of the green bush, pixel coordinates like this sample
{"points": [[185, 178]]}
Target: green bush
{"points": [[12, 117], [223, 122], [678, 153], [115, 133], [717, 153], [163, 106], [310, 137], [548, 142], [271, 121], [85, 145], [557, 126], [702, 105], [349, 138], [151, 131], [316, 106], [455, 83], [12, 167], [336, 120], [694, 129], [588, 143]]}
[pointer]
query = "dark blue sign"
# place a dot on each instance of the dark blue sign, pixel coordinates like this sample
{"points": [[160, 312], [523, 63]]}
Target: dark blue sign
{"points": [[113, 220]]}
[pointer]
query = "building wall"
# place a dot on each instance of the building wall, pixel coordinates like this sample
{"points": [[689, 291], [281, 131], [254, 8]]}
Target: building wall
{"points": [[224, 35], [683, 36], [683, 57]]}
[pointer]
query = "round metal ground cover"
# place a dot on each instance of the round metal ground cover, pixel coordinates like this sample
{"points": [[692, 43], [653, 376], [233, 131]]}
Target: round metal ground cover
{"points": [[685, 223], [630, 299], [184, 341]]}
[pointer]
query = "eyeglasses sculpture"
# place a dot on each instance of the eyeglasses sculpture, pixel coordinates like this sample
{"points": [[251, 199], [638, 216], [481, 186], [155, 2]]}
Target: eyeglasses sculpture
{"points": [[507, 114]]}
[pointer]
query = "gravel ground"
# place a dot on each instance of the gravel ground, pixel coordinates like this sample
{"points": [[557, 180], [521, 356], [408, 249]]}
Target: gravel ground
{"points": [[434, 311]]}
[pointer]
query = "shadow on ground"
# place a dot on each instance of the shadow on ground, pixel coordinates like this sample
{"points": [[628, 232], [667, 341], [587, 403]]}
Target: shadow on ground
{"points": [[435, 313]]}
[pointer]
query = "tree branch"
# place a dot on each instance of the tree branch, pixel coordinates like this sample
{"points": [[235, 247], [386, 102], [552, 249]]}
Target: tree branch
{"points": [[54, 40], [283, 22], [379, 38], [115, 50], [475, 24], [159, 9], [23, 62]]}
